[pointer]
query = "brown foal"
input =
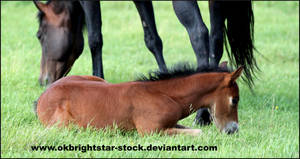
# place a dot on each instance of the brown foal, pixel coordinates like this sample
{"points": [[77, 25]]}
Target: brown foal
{"points": [[147, 106]]}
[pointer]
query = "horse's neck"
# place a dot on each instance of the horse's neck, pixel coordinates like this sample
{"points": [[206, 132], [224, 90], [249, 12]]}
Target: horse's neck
{"points": [[191, 92]]}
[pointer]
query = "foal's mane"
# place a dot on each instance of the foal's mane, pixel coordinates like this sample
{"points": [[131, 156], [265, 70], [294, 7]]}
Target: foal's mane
{"points": [[181, 69]]}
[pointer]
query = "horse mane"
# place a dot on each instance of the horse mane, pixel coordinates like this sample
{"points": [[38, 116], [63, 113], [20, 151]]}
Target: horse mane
{"points": [[58, 7], [181, 69], [40, 15]]}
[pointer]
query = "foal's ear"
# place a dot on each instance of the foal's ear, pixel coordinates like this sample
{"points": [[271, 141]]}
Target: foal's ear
{"points": [[41, 6], [236, 74]]}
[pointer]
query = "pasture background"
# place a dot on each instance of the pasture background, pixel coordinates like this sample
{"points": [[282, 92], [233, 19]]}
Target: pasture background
{"points": [[265, 131]]}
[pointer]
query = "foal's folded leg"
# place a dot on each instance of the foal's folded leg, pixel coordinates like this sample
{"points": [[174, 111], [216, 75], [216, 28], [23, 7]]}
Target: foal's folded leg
{"points": [[172, 131], [175, 131], [181, 127]]}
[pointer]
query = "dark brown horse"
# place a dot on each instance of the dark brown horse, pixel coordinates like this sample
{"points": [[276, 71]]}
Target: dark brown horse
{"points": [[61, 38], [148, 105], [61, 22]]}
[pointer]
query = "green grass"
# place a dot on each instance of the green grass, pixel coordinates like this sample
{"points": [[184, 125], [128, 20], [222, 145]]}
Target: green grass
{"points": [[264, 130]]}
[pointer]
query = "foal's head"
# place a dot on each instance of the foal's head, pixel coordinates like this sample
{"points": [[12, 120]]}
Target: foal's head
{"points": [[224, 103], [60, 35], [220, 97]]}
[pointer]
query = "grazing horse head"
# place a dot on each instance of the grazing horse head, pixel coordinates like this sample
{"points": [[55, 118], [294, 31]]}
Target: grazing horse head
{"points": [[60, 35]]}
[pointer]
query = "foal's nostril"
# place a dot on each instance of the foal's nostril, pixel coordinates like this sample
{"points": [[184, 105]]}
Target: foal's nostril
{"points": [[231, 127], [231, 131]]}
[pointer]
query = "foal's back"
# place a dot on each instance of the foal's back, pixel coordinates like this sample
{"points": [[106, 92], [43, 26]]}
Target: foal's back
{"points": [[91, 101], [84, 100]]}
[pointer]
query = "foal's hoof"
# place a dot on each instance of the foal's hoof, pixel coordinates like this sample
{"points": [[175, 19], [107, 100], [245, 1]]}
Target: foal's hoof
{"points": [[202, 118]]}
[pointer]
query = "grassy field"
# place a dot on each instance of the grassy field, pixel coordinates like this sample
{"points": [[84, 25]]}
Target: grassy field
{"points": [[268, 119]]}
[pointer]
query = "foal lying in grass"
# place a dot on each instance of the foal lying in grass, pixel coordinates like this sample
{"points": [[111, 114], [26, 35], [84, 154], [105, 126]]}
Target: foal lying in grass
{"points": [[148, 105]]}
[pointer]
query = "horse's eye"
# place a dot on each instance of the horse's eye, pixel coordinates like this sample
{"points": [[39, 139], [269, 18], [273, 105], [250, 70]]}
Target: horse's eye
{"points": [[235, 101], [39, 35]]}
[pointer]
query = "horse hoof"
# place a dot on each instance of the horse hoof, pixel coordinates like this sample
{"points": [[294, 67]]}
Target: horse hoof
{"points": [[203, 117], [201, 122]]}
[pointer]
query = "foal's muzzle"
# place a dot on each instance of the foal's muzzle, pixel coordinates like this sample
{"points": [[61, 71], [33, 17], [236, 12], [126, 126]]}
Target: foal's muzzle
{"points": [[231, 127]]}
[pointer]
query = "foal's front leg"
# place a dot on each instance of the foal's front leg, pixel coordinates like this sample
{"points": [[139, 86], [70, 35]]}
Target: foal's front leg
{"points": [[177, 129], [185, 131], [172, 131], [181, 127]]}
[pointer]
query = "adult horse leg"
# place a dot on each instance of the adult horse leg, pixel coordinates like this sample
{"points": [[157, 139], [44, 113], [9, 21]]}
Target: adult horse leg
{"points": [[93, 21], [217, 19], [151, 37], [189, 15], [239, 32], [203, 117]]}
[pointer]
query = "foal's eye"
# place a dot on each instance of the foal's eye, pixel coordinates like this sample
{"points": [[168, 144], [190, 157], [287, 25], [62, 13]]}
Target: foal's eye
{"points": [[235, 101]]}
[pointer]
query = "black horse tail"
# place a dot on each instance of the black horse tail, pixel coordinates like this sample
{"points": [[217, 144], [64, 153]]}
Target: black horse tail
{"points": [[240, 36]]}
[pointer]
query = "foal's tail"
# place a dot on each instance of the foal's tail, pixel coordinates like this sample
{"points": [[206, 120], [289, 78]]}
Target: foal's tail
{"points": [[35, 106], [240, 36]]}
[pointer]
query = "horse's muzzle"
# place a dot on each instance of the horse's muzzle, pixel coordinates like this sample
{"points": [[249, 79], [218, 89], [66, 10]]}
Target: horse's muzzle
{"points": [[43, 80], [231, 127]]}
